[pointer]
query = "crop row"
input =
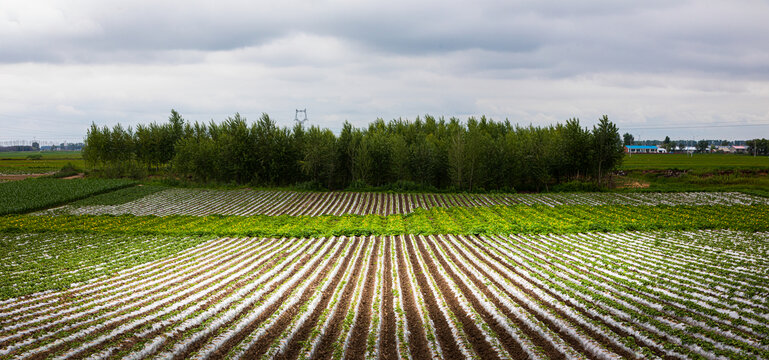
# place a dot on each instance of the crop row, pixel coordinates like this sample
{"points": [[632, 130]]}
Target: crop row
{"points": [[589, 296], [455, 220], [52, 261], [252, 202], [36, 194]]}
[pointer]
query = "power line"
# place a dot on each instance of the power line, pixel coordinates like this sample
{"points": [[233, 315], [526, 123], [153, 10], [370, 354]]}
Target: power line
{"points": [[691, 127]]}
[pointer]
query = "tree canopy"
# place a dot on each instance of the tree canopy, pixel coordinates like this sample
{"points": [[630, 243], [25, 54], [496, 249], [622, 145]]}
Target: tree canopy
{"points": [[478, 154]]}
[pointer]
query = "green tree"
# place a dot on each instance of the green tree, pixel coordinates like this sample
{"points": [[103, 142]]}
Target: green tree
{"points": [[702, 146], [627, 139], [576, 148], [607, 147], [319, 156]]}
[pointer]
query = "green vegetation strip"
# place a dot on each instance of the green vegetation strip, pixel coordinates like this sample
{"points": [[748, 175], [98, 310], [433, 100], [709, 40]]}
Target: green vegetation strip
{"points": [[459, 220], [694, 162], [35, 194], [37, 262], [29, 162]]}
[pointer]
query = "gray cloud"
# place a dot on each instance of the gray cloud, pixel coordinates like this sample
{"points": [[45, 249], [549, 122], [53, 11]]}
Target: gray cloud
{"points": [[76, 61]]}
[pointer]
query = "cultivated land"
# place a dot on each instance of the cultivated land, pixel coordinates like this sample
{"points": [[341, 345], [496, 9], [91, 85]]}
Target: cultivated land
{"points": [[694, 162], [125, 271], [246, 202], [630, 295], [50, 161]]}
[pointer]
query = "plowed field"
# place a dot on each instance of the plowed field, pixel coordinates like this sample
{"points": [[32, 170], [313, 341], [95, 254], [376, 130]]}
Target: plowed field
{"points": [[594, 296], [252, 202]]}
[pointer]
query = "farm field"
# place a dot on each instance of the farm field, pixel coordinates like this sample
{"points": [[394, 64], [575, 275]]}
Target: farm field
{"points": [[695, 162], [134, 272], [625, 295], [51, 161], [456, 220], [35, 194], [246, 202]]}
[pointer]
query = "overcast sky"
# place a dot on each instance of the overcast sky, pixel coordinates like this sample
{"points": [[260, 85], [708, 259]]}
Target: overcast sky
{"points": [[688, 69]]}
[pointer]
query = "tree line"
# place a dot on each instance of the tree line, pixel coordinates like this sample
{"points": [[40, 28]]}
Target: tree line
{"points": [[476, 155]]}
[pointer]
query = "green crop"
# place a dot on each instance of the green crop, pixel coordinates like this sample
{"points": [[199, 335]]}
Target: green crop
{"points": [[459, 220], [36, 194]]}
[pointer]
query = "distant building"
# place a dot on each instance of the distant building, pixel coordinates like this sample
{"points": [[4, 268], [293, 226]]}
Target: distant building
{"points": [[724, 149], [685, 149], [740, 149], [643, 149]]}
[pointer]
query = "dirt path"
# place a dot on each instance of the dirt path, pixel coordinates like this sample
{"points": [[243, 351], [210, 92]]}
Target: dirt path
{"points": [[16, 177]]}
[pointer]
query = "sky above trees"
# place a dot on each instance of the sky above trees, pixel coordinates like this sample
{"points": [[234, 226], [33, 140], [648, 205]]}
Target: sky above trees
{"points": [[687, 69]]}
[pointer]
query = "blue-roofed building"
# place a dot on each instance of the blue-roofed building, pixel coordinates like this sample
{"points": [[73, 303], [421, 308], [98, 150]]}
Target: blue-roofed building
{"points": [[643, 149]]}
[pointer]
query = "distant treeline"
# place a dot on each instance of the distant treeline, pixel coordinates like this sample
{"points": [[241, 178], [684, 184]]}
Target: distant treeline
{"points": [[479, 154], [758, 146]]}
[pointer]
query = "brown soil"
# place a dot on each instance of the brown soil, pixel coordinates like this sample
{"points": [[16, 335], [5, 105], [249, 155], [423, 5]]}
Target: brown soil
{"points": [[213, 299], [68, 294], [442, 330], [474, 335], [348, 207], [78, 176], [68, 345], [22, 176], [295, 344], [535, 337], [359, 332], [370, 201], [417, 340], [326, 348], [308, 208], [628, 183], [387, 336], [505, 338], [332, 205], [68, 298], [264, 342]]}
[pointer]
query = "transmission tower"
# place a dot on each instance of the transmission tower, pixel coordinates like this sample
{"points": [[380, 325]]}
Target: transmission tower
{"points": [[296, 117]]}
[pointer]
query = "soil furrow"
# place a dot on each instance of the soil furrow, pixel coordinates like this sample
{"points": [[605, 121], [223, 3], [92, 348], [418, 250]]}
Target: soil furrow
{"points": [[601, 339], [442, 329], [325, 348], [358, 335], [96, 299], [474, 334], [144, 301], [294, 346], [233, 341], [512, 346], [108, 328], [417, 337], [229, 288], [387, 341]]}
